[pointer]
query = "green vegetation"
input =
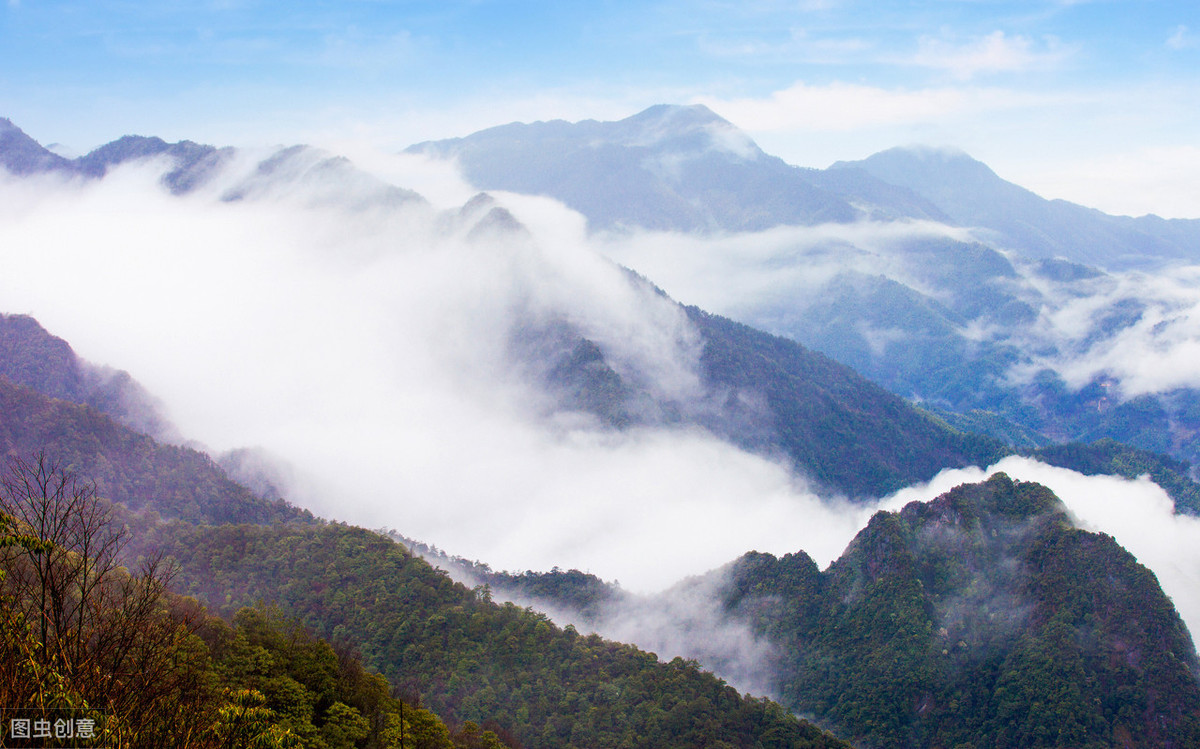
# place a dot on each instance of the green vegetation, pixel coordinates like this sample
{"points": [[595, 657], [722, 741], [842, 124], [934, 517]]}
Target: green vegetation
{"points": [[979, 619], [836, 426], [469, 658], [1106, 457], [79, 632], [127, 466]]}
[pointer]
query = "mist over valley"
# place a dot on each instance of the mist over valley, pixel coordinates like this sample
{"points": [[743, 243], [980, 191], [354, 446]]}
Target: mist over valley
{"points": [[823, 426]]}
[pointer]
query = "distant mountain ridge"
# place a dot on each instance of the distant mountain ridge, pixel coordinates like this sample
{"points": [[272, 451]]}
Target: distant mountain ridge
{"points": [[685, 168], [972, 195], [764, 394], [982, 614], [24, 156], [668, 167], [961, 318]]}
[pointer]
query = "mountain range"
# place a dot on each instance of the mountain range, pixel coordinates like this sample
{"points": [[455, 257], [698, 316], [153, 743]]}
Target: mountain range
{"points": [[985, 617], [686, 168], [947, 284]]}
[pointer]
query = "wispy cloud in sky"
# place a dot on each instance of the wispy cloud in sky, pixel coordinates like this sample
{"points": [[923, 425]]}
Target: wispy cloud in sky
{"points": [[1181, 38], [994, 53], [847, 106]]}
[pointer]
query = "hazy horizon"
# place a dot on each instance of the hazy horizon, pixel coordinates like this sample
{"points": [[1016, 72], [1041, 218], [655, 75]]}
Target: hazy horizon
{"points": [[1087, 100]]}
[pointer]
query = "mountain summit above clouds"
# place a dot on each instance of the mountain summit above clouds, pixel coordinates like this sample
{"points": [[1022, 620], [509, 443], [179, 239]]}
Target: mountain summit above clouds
{"points": [[23, 156], [667, 168], [685, 168]]}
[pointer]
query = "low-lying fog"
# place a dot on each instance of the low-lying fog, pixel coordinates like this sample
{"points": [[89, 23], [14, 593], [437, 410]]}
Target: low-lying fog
{"points": [[363, 343]]}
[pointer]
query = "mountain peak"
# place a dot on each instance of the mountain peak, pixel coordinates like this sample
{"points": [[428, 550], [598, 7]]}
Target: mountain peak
{"points": [[690, 114], [676, 127], [23, 155], [920, 165]]}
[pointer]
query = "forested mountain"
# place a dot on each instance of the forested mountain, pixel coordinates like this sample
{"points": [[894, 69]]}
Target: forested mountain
{"points": [[128, 466], [839, 428], [762, 393], [470, 658], [104, 650], [477, 663], [981, 618], [32, 357]]}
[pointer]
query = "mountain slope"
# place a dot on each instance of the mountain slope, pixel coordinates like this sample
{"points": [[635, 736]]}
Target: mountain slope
{"points": [[126, 466], [469, 658], [23, 156], [31, 356], [665, 168], [983, 617], [835, 425], [972, 195]]}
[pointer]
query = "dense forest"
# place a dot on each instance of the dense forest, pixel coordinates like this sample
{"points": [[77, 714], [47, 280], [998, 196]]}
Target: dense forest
{"points": [[86, 635], [88, 640], [982, 618], [470, 658], [145, 589]]}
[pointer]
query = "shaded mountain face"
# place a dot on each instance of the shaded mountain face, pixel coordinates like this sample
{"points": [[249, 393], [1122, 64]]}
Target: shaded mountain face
{"points": [[963, 329], [23, 156], [757, 392], [108, 429], [669, 167], [761, 392], [32, 357], [127, 466], [929, 315], [193, 163]]}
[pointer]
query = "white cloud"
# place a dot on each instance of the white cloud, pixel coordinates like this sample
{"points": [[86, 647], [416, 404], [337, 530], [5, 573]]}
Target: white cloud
{"points": [[740, 274], [1181, 38], [367, 348], [1155, 353], [994, 53], [849, 106], [1137, 513], [800, 46], [1159, 179]]}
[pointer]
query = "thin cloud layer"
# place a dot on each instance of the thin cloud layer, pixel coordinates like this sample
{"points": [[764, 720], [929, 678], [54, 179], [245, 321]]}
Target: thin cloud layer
{"points": [[996, 52]]}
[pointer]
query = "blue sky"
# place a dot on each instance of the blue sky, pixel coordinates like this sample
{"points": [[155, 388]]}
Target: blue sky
{"points": [[1097, 101]]}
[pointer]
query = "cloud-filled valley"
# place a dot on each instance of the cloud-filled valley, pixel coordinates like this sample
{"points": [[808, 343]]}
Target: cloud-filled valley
{"points": [[366, 348], [501, 377], [365, 344]]}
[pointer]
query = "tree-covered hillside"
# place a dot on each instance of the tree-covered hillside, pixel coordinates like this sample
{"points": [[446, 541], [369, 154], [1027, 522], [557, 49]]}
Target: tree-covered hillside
{"points": [[90, 644], [468, 658], [984, 619], [128, 466]]}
